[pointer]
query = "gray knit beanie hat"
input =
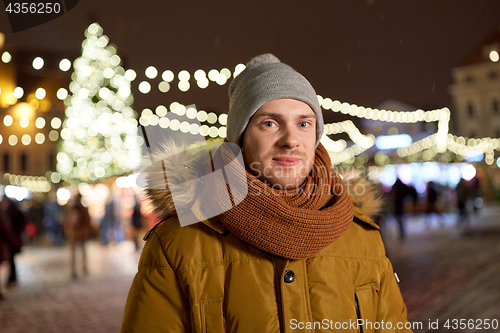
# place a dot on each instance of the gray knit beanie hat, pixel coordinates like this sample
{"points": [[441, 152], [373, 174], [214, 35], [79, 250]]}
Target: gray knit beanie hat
{"points": [[264, 79]]}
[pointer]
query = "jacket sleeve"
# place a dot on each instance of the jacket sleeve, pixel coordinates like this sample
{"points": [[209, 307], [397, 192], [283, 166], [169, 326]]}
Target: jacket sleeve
{"points": [[156, 302], [391, 307]]}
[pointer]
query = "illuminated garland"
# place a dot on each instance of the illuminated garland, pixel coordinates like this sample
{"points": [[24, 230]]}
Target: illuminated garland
{"points": [[435, 143]]}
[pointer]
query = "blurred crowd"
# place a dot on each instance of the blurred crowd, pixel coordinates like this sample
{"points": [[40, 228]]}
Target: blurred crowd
{"points": [[403, 200], [50, 223]]}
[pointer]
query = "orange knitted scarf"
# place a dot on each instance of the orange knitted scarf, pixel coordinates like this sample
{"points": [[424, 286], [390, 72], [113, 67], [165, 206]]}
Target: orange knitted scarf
{"points": [[293, 224]]}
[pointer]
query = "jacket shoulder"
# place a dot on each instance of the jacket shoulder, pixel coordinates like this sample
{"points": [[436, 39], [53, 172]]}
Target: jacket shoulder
{"points": [[195, 246], [166, 239], [361, 218], [361, 241]]}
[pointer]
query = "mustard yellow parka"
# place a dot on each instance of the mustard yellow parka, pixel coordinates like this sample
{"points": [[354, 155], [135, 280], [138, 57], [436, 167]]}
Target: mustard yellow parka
{"points": [[201, 278]]}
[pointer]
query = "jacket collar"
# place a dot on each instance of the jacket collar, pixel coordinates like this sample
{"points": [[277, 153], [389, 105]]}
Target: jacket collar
{"points": [[212, 222]]}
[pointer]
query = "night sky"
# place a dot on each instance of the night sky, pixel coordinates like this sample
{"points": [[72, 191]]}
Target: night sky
{"points": [[358, 51]]}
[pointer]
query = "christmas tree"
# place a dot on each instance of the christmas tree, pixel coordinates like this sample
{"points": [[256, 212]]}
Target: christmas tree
{"points": [[99, 134]]}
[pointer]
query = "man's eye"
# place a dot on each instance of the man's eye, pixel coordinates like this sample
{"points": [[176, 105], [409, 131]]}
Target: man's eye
{"points": [[304, 124], [268, 124]]}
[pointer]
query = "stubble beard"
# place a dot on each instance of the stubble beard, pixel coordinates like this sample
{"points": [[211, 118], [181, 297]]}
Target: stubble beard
{"points": [[277, 176], [281, 177]]}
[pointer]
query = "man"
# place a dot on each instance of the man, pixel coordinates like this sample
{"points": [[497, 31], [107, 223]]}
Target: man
{"points": [[17, 222], [294, 255]]}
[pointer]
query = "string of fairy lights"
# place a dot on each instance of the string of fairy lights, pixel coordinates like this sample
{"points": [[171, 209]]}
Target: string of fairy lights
{"points": [[214, 126], [148, 118]]}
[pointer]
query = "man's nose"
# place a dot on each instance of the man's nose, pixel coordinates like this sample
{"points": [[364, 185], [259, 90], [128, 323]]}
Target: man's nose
{"points": [[289, 137]]}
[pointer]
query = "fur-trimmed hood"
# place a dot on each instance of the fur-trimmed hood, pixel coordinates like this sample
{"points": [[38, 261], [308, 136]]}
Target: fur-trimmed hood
{"points": [[181, 165]]}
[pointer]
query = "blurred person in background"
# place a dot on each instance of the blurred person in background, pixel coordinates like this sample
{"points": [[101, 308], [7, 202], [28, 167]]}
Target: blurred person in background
{"points": [[136, 221], [431, 206], [399, 192], [462, 198], [52, 214], [17, 222], [110, 223], [8, 239], [107, 220], [78, 230], [4, 245], [35, 220], [414, 198], [475, 194]]}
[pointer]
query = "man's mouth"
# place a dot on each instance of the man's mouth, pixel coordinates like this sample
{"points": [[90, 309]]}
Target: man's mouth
{"points": [[286, 160]]}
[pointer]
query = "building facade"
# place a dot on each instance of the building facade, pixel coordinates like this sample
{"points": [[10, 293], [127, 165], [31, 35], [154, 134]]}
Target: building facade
{"points": [[33, 86], [476, 91]]}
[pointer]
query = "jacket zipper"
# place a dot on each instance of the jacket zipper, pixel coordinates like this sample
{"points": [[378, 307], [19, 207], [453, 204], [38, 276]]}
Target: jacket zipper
{"points": [[356, 303]]}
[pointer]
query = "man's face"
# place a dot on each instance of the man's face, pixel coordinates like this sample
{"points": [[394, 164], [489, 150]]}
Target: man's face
{"points": [[279, 143]]}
